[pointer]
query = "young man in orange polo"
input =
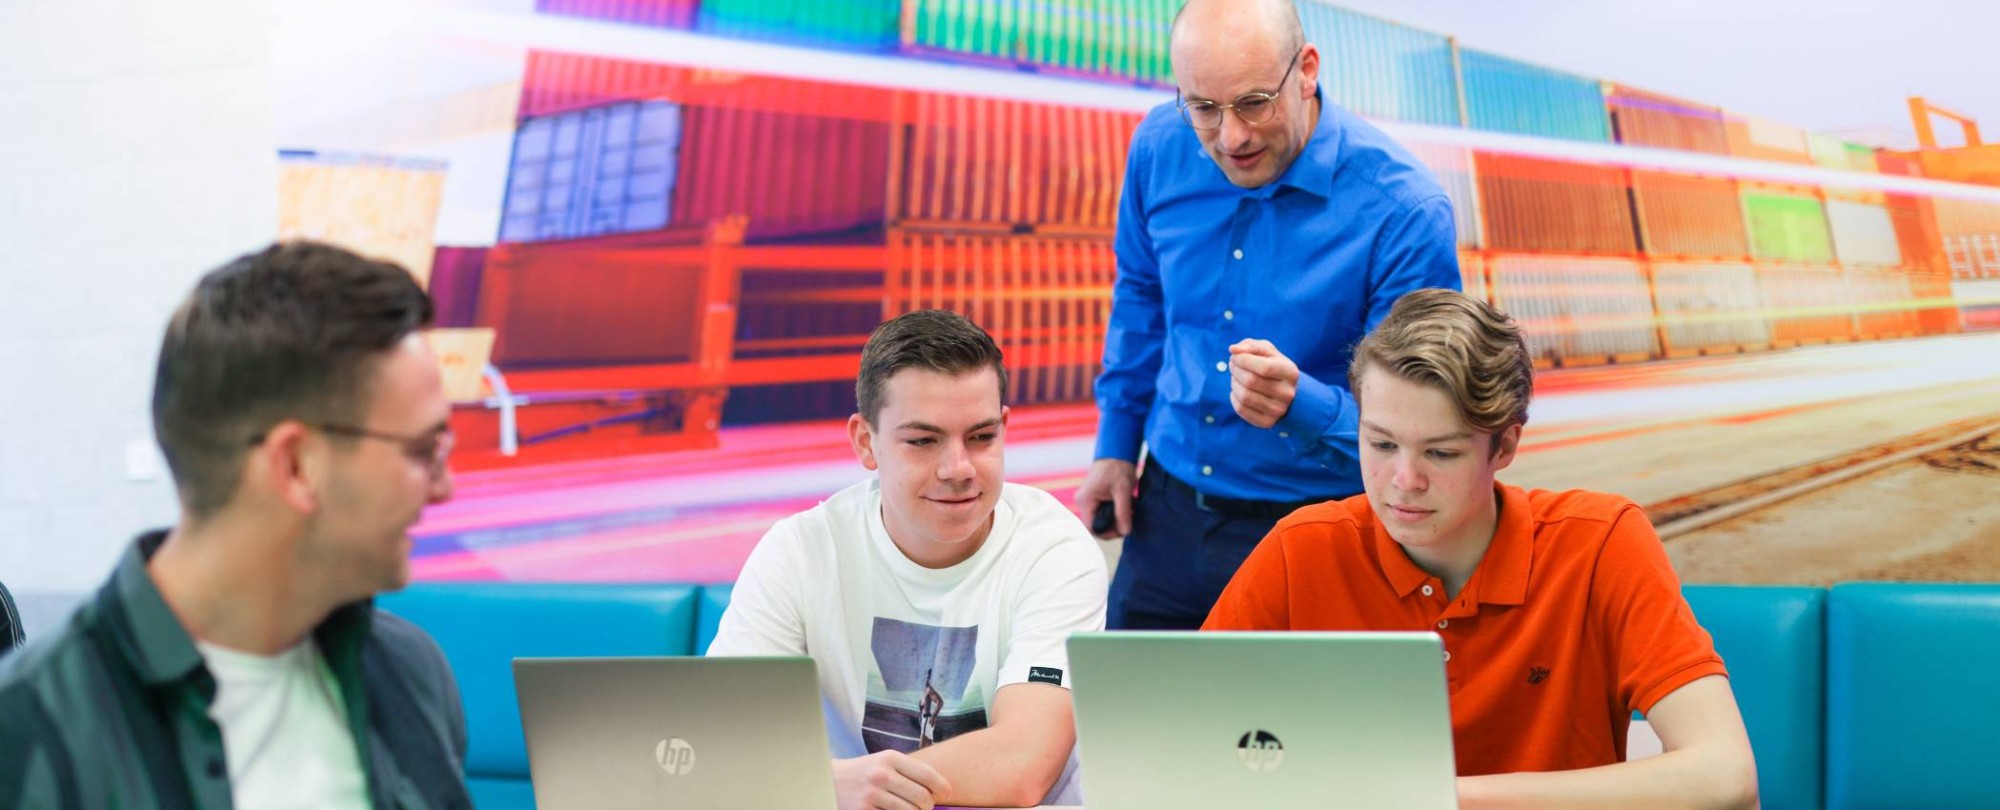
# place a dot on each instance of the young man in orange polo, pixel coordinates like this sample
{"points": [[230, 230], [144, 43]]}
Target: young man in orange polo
{"points": [[1559, 611]]}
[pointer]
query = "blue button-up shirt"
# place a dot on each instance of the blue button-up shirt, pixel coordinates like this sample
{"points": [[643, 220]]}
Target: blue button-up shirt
{"points": [[1310, 262]]}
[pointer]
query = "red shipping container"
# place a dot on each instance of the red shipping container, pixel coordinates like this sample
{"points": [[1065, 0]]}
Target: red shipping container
{"points": [[787, 173], [970, 160], [655, 13], [1640, 118], [1688, 216], [1552, 206]]}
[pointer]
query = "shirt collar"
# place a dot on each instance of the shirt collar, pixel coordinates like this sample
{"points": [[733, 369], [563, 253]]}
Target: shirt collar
{"points": [[162, 651], [1502, 575], [1312, 171]]}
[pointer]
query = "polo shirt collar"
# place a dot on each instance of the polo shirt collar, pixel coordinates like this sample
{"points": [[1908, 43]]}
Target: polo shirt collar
{"points": [[1502, 575]]}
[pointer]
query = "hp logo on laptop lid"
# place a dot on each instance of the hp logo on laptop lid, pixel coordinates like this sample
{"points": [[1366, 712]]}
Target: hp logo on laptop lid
{"points": [[675, 756], [1260, 751]]}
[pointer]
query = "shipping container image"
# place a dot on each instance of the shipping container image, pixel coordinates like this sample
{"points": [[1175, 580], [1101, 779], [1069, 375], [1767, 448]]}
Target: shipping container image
{"points": [[1381, 69], [1452, 166], [1683, 216], [863, 25], [1578, 310], [1549, 206], [1787, 227], [1806, 304], [1509, 95], [1110, 40], [1709, 308], [1642, 118]]}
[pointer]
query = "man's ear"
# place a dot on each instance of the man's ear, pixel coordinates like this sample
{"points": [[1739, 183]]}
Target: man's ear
{"points": [[1309, 70], [1505, 444], [289, 465], [861, 436]]}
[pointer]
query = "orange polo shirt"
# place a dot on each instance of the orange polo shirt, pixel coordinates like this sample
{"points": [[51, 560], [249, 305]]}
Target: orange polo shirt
{"points": [[1572, 620]]}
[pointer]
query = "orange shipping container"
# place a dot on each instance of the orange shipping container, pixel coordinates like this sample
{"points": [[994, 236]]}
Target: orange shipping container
{"points": [[1687, 216], [1758, 139], [1883, 304], [1551, 206]]}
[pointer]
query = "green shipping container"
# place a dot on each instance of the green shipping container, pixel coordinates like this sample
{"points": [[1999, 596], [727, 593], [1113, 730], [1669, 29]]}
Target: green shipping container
{"points": [[869, 25], [1116, 39], [1787, 228]]}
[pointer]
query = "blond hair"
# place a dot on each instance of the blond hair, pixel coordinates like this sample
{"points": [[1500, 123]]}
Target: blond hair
{"points": [[1456, 344]]}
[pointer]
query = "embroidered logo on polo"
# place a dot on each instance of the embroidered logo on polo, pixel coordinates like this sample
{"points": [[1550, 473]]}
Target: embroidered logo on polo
{"points": [[1045, 675], [1536, 675]]}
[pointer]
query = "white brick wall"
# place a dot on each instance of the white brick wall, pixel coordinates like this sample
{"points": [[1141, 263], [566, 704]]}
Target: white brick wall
{"points": [[137, 151]]}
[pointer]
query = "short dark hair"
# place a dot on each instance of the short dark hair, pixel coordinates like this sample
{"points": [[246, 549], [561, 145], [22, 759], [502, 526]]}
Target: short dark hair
{"points": [[289, 332], [932, 339]]}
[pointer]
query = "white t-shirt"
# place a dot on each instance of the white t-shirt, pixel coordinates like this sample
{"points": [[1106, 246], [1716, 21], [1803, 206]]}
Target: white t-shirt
{"points": [[907, 655], [284, 729]]}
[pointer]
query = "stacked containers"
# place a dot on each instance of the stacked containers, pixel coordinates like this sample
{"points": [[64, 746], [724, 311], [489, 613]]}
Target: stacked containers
{"points": [[572, 304], [1709, 307], [1882, 304], [1472, 275], [1552, 206], [1679, 215], [1864, 235], [1381, 69], [1046, 300], [454, 286], [1787, 227], [1578, 310], [1508, 95], [792, 174], [653, 13], [865, 25], [560, 82], [1112, 39]]}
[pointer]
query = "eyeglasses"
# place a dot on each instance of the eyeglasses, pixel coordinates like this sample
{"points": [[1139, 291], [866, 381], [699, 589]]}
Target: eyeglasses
{"points": [[1251, 108], [431, 449]]}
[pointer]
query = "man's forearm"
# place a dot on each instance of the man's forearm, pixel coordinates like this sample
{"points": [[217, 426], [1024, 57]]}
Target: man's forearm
{"points": [[997, 767], [1689, 778]]}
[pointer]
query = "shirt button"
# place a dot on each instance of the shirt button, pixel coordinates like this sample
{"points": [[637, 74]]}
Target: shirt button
{"points": [[1229, 314], [1447, 656], [1207, 470], [1284, 435], [1427, 590], [1221, 366], [1442, 623], [1238, 253], [216, 769], [1209, 419]]}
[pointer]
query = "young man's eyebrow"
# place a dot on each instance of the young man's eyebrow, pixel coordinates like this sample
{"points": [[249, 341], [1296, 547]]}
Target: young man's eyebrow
{"points": [[927, 427], [1448, 437]]}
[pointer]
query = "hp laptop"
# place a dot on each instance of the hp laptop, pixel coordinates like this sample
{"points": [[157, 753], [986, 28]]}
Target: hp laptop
{"points": [[685, 733], [1276, 721]]}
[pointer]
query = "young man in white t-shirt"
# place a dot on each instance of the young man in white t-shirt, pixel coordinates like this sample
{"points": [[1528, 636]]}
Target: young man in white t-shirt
{"points": [[934, 597]]}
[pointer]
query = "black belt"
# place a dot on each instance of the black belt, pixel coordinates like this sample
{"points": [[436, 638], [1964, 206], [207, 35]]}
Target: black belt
{"points": [[1229, 507]]}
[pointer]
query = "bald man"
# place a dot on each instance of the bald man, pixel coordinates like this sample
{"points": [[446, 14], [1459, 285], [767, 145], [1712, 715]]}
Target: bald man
{"points": [[1262, 232]]}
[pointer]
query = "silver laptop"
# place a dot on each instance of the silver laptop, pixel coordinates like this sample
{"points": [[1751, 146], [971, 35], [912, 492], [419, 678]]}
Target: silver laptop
{"points": [[1276, 721], [686, 733]]}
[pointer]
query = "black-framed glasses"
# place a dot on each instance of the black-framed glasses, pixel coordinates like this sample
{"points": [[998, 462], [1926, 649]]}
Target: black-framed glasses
{"points": [[431, 449], [1251, 108]]}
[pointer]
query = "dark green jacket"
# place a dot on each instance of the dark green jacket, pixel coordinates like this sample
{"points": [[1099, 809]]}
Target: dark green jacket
{"points": [[112, 712]]}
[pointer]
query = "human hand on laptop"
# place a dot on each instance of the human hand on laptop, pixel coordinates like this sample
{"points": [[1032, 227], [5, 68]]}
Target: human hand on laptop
{"points": [[887, 780]]}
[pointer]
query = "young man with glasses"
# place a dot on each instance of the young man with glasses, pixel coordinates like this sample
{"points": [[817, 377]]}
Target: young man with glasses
{"points": [[1262, 231], [237, 659]]}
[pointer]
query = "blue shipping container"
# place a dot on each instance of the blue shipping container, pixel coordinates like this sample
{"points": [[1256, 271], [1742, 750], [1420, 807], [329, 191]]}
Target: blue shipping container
{"points": [[592, 172], [1509, 95], [1382, 69]]}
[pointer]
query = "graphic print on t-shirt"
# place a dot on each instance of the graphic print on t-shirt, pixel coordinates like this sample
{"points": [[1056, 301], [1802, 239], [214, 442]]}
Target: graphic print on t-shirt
{"points": [[916, 686]]}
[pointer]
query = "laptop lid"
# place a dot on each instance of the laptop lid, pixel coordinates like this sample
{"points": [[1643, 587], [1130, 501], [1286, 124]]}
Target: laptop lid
{"points": [[1270, 720], [687, 733]]}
